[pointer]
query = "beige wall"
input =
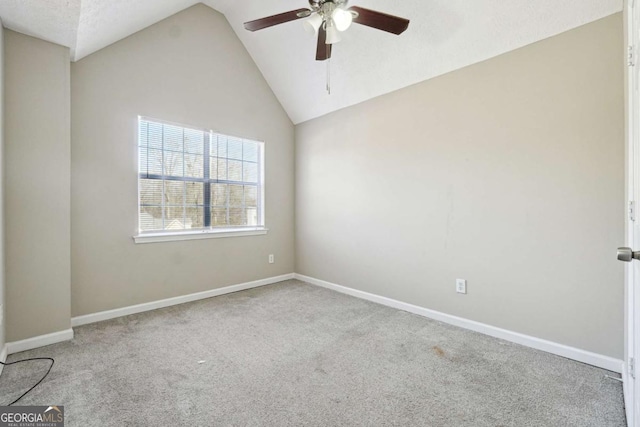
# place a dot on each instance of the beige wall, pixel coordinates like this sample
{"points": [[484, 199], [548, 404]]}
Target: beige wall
{"points": [[192, 69], [508, 173], [37, 165]]}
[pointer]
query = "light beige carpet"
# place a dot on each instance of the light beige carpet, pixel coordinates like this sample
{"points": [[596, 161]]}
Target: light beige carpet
{"points": [[292, 354]]}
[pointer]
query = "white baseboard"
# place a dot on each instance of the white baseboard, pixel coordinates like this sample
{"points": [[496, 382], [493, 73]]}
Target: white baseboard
{"points": [[39, 341], [583, 356], [3, 357], [579, 355], [139, 308]]}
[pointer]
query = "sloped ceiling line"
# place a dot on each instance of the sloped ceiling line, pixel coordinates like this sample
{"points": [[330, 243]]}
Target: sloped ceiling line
{"points": [[444, 35]]}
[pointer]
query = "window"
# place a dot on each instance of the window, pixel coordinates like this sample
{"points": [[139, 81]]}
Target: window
{"points": [[195, 180]]}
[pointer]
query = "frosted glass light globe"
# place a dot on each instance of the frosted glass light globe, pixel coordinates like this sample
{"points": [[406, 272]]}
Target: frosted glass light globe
{"points": [[342, 19]]}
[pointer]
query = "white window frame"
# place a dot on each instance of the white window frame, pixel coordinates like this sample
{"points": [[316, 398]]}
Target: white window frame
{"points": [[211, 232]]}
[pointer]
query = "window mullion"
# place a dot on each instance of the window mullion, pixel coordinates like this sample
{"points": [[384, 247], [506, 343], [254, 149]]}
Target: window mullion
{"points": [[243, 204], [163, 181], [259, 188], [184, 184], [228, 192], [207, 183], [147, 149]]}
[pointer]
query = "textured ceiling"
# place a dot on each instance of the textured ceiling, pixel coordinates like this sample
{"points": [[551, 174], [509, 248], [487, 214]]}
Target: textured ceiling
{"points": [[52, 20], [444, 35]]}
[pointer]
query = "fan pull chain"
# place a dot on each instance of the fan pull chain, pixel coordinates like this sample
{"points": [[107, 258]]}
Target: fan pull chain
{"points": [[329, 76]]}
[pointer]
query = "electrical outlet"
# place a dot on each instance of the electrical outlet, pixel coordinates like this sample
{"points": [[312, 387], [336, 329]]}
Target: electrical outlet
{"points": [[461, 286], [271, 259]]}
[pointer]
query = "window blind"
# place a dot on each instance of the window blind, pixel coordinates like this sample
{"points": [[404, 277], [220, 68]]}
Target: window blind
{"points": [[192, 179]]}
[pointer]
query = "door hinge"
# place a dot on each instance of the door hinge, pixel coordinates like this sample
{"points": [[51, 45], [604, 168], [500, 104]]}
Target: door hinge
{"points": [[632, 367], [631, 56], [632, 211]]}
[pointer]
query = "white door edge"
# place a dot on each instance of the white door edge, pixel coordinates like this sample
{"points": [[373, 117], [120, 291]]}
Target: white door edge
{"points": [[632, 237]]}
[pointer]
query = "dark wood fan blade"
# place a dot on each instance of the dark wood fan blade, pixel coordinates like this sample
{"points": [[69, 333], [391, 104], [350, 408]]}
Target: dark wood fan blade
{"points": [[323, 51], [381, 21], [280, 18]]}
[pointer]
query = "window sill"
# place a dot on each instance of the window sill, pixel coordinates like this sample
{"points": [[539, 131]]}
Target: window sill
{"points": [[197, 235]]}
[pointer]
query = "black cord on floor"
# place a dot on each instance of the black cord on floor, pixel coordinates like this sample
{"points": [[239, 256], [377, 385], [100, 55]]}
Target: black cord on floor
{"points": [[41, 379]]}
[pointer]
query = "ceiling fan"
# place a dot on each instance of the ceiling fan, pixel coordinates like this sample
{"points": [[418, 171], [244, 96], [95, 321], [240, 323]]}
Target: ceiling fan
{"points": [[328, 18]]}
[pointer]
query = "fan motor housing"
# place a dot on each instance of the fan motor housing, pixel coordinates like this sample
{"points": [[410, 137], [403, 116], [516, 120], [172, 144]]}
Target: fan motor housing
{"points": [[317, 4]]}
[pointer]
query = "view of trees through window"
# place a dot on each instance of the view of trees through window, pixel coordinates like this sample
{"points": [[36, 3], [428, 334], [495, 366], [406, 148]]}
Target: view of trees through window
{"points": [[197, 179]]}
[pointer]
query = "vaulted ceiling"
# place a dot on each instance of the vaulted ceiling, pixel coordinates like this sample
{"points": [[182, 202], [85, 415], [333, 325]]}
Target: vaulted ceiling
{"points": [[444, 35]]}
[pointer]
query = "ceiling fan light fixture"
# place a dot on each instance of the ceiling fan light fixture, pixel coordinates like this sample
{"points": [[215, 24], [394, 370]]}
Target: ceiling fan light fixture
{"points": [[328, 18], [333, 35], [312, 24], [342, 18]]}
